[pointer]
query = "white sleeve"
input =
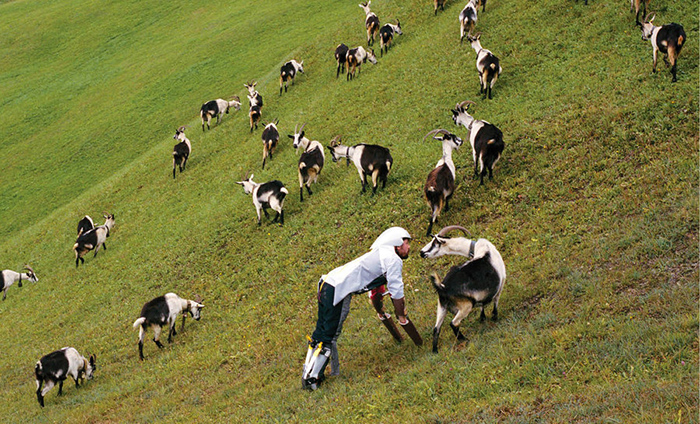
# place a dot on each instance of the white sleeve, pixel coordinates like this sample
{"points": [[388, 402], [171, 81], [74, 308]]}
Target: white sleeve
{"points": [[393, 265]]}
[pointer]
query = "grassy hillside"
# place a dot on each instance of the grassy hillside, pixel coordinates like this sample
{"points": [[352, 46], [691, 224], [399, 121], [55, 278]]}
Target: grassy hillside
{"points": [[594, 208]]}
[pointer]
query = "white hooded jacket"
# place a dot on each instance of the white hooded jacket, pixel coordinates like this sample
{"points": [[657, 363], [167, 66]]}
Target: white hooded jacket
{"points": [[355, 276]]}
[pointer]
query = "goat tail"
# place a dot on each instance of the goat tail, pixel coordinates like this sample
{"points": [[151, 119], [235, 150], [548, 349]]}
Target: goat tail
{"points": [[76, 245], [437, 282], [681, 40], [284, 190], [39, 371], [139, 322]]}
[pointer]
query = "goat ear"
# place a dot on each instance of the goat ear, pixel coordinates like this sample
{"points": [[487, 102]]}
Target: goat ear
{"points": [[290, 136]]}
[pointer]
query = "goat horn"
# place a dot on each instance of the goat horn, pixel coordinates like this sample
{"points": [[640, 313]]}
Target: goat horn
{"points": [[453, 227], [302, 127], [26, 266], [182, 128], [236, 98], [464, 103], [436, 131], [336, 141], [246, 175], [198, 298]]}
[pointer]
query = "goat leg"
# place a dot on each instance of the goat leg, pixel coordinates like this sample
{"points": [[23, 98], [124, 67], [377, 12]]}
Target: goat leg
{"points": [[457, 332]]}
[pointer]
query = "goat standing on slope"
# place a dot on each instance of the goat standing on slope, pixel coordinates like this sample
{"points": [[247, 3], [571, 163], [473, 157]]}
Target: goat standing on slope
{"points": [[270, 138], [341, 58], [162, 311], [181, 151], [668, 39], [369, 159], [487, 65], [266, 195], [310, 162], [9, 277], [386, 36], [477, 282], [467, 19], [256, 104], [356, 57], [440, 184], [57, 366], [93, 239], [486, 140], [217, 108], [288, 71], [371, 23]]}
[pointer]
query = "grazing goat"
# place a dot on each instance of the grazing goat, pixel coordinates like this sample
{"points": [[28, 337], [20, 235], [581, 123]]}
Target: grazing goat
{"points": [[289, 71], [217, 108], [356, 57], [668, 39], [467, 19], [386, 36], [310, 162], [9, 277], [440, 4], [57, 366], [440, 184], [266, 195], [85, 225], [341, 57], [371, 22], [181, 151], [93, 239], [487, 65], [486, 140], [162, 311], [477, 282], [270, 138], [256, 104], [369, 159]]}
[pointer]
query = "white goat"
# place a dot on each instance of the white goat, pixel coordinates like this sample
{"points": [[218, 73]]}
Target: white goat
{"points": [[9, 277]]}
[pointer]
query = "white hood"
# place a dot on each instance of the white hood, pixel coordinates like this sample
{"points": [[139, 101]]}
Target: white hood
{"points": [[392, 237]]}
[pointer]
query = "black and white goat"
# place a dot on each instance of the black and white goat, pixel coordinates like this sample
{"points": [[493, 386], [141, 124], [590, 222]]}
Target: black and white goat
{"points": [[266, 195], [440, 184], [487, 65], [369, 159], [93, 239], [371, 22], [270, 138], [310, 162], [288, 71], [668, 39], [256, 104], [162, 311], [9, 277], [341, 58], [467, 19], [356, 57], [57, 366], [486, 140], [477, 282], [181, 151], [217, 108], [86, 224], [386, 36]]}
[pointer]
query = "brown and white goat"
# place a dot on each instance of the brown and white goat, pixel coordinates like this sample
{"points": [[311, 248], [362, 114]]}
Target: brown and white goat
{"points": [[270, 138], [371, 22], [667, 39], [289, 71], [369, 159], [256, 104], [467, 19], [440, 184], [386, 36], [356, 57], [310, 162]]}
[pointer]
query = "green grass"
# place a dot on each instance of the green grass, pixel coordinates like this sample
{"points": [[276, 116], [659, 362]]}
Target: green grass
{"points": [[594, 208]]}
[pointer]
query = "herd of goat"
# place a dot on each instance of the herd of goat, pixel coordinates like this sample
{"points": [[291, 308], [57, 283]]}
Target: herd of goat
{"points": [[478, 282]]}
